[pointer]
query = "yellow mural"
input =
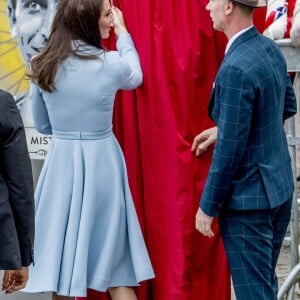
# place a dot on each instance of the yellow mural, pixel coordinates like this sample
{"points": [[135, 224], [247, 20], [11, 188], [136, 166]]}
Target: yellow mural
{"points": [[12, 66]]}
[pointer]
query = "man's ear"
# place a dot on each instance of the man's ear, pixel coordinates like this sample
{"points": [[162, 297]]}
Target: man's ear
{"points": [[11, 12], [228, 8]]}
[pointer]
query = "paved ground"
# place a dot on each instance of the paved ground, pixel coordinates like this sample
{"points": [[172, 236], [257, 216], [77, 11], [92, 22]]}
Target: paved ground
{"points": [[284, 267]]}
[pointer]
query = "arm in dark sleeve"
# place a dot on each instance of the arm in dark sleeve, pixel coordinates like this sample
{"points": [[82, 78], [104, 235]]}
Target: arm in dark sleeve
{"points": [[234, 124], [290, 103], [18, 176]]}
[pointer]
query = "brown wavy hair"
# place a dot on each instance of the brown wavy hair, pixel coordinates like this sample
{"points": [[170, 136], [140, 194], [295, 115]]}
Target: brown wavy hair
{"points": [[74, 20]]}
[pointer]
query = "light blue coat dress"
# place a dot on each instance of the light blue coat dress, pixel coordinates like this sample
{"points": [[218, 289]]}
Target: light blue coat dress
{"points": [[87, 231]]}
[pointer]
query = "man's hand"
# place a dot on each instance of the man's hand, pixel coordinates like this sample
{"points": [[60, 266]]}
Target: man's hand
{"points": [[204, 139], [203, 223], [14, 280]]}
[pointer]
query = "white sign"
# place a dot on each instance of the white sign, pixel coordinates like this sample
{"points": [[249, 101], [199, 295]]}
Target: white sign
{"points": [[37, 143]]}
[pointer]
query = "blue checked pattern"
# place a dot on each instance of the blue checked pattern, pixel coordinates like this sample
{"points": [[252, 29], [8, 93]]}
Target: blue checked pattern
{"points": [[252, 239], [253, 95]]}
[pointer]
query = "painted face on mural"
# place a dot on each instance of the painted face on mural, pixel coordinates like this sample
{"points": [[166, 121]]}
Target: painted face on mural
{"points": [[30, 22]]}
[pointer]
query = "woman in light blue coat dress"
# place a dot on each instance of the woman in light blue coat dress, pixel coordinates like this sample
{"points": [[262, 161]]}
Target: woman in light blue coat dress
{"points": [[87, 230]]}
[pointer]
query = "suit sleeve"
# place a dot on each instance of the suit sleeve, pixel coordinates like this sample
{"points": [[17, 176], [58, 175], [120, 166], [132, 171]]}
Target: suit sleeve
{"points": [[18, 176], [290, 104], [236, 106], [39, 110]]}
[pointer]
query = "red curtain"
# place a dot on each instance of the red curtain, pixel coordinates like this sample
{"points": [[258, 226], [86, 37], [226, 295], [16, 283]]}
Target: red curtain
{"points": [[155, 125]]}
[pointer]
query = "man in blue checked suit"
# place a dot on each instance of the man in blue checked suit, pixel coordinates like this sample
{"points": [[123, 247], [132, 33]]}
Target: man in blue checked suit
{"points": [[250, 183]]}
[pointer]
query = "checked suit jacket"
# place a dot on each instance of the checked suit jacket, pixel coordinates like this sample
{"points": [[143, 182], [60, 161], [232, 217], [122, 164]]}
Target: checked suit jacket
{"points": [[252, 96], [16, 189]]}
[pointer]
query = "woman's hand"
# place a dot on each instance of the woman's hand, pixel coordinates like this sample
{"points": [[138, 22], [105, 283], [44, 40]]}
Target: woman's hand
{"points": [[118, 21]]}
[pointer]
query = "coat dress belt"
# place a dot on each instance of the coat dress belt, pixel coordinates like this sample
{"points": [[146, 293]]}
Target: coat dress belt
{"points": [[81, 135]]}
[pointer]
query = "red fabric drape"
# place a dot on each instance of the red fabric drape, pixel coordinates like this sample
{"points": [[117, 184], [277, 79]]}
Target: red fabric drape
{"points": [[155, 125]]}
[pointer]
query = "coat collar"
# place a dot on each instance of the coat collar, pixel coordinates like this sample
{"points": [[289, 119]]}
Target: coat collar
{"points": [[84, 48], [252, 32]]}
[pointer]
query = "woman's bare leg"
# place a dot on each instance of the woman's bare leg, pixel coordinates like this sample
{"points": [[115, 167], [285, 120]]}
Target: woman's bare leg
{"points": [[57, 297], [122, 293]]}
